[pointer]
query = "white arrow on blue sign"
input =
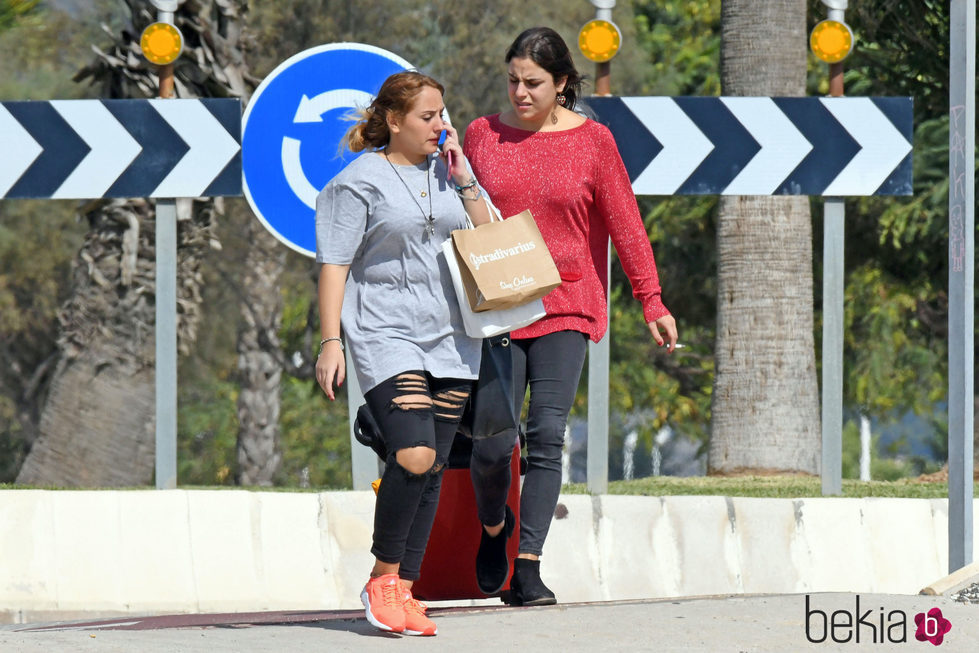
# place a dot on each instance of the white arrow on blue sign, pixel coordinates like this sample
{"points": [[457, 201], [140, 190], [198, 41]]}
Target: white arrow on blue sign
{"points": [[292, 129]]}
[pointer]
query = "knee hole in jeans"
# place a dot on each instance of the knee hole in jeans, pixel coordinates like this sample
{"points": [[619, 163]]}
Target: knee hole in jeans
{"points": [[416, 461]]}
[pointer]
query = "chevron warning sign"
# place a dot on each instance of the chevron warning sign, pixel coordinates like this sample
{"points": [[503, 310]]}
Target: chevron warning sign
{"points": [[86, 149], [762, 146]]}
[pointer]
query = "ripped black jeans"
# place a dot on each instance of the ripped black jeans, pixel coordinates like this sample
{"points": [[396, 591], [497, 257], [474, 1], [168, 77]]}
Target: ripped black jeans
{"points": [[413, 409]]}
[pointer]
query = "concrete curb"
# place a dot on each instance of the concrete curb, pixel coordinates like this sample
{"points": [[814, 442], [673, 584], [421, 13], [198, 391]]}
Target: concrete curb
{"points": [[80, 554]]}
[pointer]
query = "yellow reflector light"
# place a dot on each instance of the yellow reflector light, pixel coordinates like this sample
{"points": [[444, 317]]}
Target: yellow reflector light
{"points": [[161, 43], [599, 40], [831, 41]]}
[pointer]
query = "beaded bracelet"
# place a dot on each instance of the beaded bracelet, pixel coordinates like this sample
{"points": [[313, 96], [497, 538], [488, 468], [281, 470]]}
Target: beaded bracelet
{"points": [[461, 190], [332, 339], [468, 185]]}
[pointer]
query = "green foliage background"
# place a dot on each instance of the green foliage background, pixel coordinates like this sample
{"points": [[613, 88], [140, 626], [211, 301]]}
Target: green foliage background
{"points": [[896, 248]]}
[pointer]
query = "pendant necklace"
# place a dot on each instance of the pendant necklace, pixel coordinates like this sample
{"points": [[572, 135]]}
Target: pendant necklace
{"points": [[429, 220]]}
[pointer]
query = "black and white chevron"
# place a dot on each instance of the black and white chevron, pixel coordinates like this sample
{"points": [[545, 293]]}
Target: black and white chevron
{"points": [[86, 149], [833, 147]]}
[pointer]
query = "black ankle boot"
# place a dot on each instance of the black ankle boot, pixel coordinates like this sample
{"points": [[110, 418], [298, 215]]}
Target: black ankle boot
{"points": [[526, 587], [492, 564]]}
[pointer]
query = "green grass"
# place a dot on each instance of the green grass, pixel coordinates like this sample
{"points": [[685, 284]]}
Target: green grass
{"points": [[786, 487]]}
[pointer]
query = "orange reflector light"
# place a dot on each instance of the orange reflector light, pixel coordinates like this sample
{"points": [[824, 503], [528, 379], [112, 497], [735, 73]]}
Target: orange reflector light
{"points": [[831, 41], [599, 40], [161, 43]]}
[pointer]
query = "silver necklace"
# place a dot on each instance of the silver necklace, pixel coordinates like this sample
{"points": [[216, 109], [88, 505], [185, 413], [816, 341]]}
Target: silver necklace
{"points": [[429, 220]]}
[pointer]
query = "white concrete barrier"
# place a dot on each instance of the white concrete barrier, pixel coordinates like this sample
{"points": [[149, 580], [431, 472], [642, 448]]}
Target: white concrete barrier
{"points": [[80, 554]]}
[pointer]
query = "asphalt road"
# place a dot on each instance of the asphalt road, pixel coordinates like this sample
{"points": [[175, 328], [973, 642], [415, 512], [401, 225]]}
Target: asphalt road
{"points": [[749, 624]]}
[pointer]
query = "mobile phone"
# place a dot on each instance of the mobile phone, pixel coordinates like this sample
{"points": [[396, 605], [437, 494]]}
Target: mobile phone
{"points": [[448, 155]]}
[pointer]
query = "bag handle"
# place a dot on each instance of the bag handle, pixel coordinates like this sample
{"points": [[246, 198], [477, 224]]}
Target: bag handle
{"points": [[494, 212]]}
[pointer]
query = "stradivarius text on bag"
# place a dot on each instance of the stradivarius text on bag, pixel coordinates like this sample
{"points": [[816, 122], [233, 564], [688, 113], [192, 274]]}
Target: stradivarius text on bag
{"points": [[499, 253]]}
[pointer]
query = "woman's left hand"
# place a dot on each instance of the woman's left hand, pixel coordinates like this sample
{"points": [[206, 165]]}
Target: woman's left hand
{"points": [[458, 170], [331, 367], [667, 324]]}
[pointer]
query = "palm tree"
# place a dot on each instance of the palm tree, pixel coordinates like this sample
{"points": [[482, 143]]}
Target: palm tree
{"points": [[765, 404], [97, 425], [260, 361]]}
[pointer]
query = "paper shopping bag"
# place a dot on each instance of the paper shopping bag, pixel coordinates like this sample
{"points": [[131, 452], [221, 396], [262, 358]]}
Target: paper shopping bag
{"points": [[485, 324], [505, 264]]}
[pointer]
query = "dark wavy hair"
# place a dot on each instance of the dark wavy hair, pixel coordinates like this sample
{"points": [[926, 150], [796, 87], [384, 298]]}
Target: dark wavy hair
{"points": [[547, 49], [394, 99]]}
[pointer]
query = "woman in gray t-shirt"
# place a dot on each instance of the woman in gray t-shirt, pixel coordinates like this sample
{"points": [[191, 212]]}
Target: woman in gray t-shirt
{"points": [[380, 225]]}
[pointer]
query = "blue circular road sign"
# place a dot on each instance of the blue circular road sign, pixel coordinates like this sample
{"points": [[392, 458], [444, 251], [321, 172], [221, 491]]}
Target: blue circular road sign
{"points": [[292, 128]]}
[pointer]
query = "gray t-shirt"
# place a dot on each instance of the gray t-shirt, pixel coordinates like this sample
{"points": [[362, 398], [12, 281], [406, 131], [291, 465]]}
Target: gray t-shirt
{"points": [[399, 311]]}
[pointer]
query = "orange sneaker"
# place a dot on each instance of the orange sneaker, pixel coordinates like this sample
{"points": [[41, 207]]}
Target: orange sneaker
{"points": [[416, 623], [383, 598]]}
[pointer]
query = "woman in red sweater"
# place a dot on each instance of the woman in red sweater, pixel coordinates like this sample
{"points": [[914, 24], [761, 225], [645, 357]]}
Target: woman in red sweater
{"points": [[541, 155]]}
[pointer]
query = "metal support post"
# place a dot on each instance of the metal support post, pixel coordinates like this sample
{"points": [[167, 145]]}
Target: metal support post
{"points": [[603, 70], [166, 344], [961, 289], [598, 353], [363, 460], [597, 467], [603, 79], [598, 362], [831, 469], [166, 310]]}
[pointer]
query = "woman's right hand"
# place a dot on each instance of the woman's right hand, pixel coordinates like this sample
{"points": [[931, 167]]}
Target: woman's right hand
{"points": [[331, 367]]}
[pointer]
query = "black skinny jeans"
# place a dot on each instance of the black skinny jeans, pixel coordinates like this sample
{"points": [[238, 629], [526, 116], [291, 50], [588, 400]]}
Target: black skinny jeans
{"points": [[551, 366], [412, 409]]}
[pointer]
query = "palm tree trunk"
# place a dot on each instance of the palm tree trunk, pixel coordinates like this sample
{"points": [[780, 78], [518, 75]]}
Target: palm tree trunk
{"points": [[89, 399], [765, 404], [97, 425], [259, 359]]}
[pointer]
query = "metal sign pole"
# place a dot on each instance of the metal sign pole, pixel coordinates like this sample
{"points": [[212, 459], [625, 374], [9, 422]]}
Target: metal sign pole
{"points": [[364, 464], [166, 310], [166, 344], [831, 469], [598, 363], [961, 266], [599, 352]]}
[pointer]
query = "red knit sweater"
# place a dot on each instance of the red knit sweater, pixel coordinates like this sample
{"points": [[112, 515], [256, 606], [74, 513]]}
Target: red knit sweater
{"points": [[576, 186]]}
